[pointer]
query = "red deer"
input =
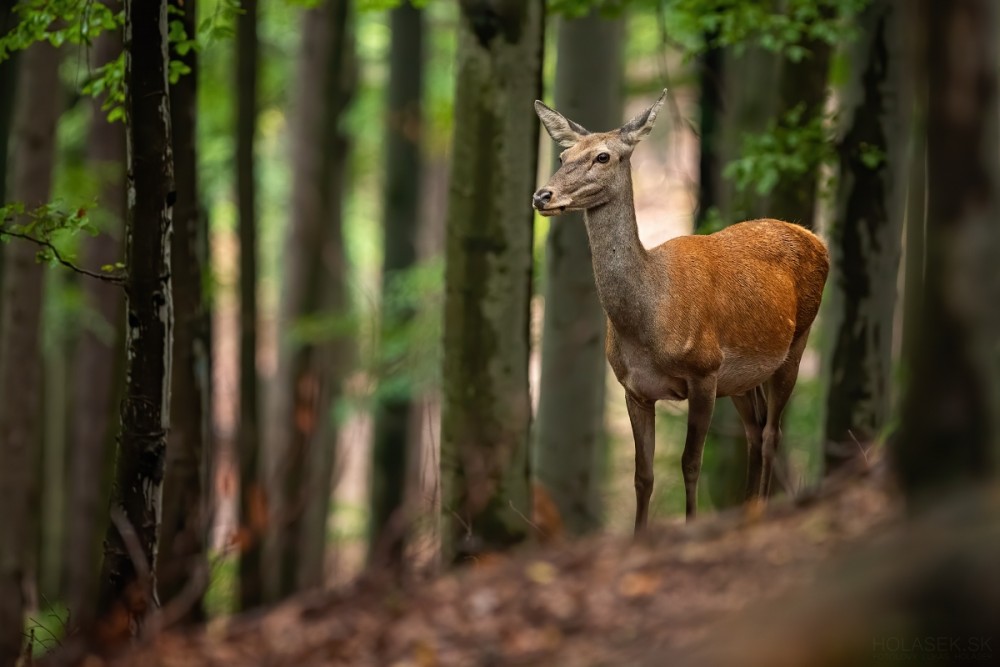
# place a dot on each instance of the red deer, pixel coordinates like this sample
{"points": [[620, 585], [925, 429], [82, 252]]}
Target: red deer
{"points": [[696, 318]]}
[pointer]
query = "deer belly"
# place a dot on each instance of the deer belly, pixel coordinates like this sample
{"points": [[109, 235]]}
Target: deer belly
{"points": [[653, 386], [738, 374]]}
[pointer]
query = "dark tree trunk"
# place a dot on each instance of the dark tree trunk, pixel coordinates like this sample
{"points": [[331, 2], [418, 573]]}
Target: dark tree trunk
{"points": [[801, 83], [8, 86], [182, 564], [311, 374], [394, 449], [20, 363], [949, 433], [127, 588], [710, 164], [571, 452], [486, 413], [98, 361], [747, 105], [248, 440], [866, 238]]}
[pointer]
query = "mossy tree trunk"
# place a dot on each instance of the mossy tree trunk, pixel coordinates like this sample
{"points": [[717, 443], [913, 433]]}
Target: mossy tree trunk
{"points": [[866, 237], [127, 590], [570, 433], [37, 110], [486, 497]]}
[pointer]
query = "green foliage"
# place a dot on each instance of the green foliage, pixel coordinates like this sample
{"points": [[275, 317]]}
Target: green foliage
{"points": [[579, 8], [789, 147], [45, 223], [109, 80], [377, 5], [58, 22], [781, 26]]}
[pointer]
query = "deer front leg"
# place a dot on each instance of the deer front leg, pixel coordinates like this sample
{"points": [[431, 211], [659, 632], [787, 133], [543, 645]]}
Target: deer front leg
{"points": [[640, 413], [701, 404]]}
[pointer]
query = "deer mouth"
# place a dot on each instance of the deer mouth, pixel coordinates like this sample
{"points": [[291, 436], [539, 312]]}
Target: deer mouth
{"points": [[550, 211]]}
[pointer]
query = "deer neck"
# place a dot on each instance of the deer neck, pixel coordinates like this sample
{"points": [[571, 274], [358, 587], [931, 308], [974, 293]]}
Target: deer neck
{"points": [[621, 263]]}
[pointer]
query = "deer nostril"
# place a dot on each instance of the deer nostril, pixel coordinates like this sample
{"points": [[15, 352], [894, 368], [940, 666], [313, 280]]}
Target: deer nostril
{"points": [[543, 197]]}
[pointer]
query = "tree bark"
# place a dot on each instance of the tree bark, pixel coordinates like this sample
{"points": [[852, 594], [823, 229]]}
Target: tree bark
{"points": [[8, 86], [182, 565], [949, 433], [802, 83], [394, 448], [38, 106], [98, 359], [310, 374], [251, 491], [486, 413], [747, 105], [128, 588], [571, 452], [711, 73], [866, 238]]}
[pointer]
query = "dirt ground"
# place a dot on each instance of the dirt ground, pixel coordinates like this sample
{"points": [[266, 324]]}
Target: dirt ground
{"points": [[601, 601]]}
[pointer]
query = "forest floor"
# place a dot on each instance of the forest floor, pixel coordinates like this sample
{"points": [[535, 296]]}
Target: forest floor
{"points": [[605, 600]]}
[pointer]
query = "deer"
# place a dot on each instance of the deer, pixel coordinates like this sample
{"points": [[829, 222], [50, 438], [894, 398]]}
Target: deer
{"points": [[699, 317]]}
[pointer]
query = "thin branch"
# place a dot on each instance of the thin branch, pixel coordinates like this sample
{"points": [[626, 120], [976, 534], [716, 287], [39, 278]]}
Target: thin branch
{"points": [[108, 278]]}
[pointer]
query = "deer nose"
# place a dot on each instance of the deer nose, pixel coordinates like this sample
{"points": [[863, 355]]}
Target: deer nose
{"points": [[542, 197]]}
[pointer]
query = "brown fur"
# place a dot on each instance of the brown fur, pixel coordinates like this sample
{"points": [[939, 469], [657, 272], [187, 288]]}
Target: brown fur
{"points": [[695, 318]]}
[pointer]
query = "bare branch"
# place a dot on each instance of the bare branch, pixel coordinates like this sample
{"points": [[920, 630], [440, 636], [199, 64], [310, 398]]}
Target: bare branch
{"points": [[108, 278]]}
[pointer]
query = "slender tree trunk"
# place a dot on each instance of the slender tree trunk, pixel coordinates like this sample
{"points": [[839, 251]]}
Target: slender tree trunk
{"points": [[866, 238], [52, 472], [128, 588], [747, 105], [251, 492], [8, 86], [801, 83], [98, 360], [711, 72], [311, 374], [486, 414], [949, 433], [182, 565], [394, 447], [571, 452], [20, 314]]}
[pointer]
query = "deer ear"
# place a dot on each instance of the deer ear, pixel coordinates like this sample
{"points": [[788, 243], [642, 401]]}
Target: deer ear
{"points": [[565, 132], [636, 129]]}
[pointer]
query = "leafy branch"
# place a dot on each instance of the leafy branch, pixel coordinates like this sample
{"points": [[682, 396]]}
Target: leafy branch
{"points": [[43, 223]]}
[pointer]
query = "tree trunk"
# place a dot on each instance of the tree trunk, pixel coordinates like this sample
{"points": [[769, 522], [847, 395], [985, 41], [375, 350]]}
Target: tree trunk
{"points": [[182, 564], [711, 72], [251, 584], [8, 85], [20, 365], [127, 589], [571, 452], [866, 237], [98, 359], [801, 83], [948, 433], [746, 105], [310, 374], [394, 449], [486, 412]]}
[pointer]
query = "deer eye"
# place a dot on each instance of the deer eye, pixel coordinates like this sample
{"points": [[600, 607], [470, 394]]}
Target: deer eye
{"points": [[603, 158]]}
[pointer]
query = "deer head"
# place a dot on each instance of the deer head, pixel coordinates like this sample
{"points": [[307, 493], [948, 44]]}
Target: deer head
{"points": [[595, 166]]}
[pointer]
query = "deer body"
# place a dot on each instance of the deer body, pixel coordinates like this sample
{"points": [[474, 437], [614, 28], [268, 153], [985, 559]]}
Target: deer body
{"points": [[696, 318]]}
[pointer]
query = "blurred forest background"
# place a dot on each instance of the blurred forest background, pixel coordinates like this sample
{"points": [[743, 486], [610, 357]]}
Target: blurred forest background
{"points": [[360, 288]]}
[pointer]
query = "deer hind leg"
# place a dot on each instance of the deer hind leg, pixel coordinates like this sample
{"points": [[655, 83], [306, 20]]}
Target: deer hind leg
{"points": [[779, 390], [752, 408], [701, 404], [644, 433]]}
